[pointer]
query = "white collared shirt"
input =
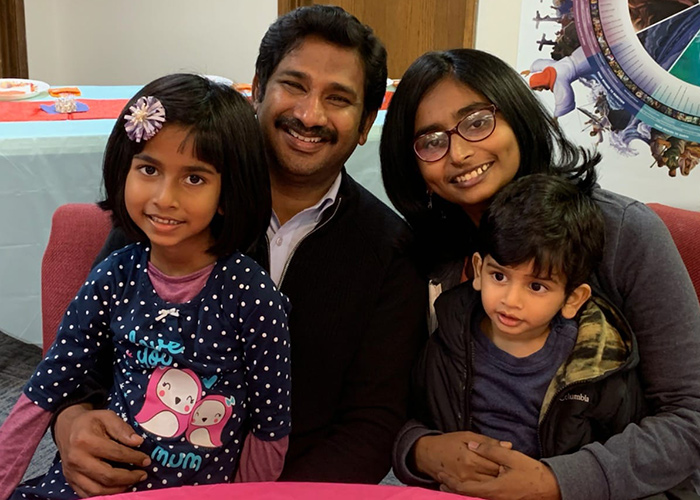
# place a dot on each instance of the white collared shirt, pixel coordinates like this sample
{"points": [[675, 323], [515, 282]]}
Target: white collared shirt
{"points": [[284, 239]]}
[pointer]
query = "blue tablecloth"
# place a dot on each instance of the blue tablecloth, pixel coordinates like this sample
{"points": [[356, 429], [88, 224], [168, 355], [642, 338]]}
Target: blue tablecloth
{"points": [[48, 163]]}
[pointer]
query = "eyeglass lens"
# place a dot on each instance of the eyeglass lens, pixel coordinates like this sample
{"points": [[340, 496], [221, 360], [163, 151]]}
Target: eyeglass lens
{"points": [[473, 128]]}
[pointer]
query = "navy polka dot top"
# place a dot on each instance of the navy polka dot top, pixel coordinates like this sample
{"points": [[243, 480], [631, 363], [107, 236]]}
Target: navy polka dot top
{"points": [[191, 378]]}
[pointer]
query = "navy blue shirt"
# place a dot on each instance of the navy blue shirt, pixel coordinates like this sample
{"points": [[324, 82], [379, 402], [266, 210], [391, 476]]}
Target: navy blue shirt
{"points": [[507, 391], [191, 378]]}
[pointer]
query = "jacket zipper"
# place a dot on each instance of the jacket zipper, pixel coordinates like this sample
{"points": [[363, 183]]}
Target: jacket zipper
{"points": [[469, 374], [318, 226]]}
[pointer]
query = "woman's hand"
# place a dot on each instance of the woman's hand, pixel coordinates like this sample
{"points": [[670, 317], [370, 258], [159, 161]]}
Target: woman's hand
{"points": [[449, 454], [86, 439], [520, 477]]}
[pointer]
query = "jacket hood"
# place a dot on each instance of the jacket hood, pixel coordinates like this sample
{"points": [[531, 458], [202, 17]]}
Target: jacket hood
{"points": [[605, 344]]}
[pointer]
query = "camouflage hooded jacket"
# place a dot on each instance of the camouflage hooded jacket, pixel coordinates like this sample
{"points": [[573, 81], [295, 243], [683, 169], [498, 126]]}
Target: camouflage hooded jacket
{"points": [[594, 394]]}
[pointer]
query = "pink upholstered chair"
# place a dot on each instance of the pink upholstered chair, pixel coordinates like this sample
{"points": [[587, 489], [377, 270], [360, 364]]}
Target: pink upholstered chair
{"points": [[78, 231], [684, 226]]}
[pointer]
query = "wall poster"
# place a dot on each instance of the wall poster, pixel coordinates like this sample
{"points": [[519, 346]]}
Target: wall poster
{"points": [[623, 76]]}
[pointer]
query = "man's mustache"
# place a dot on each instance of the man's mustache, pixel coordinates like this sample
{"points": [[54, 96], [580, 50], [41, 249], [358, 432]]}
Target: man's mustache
{"points": [[292, 123]]}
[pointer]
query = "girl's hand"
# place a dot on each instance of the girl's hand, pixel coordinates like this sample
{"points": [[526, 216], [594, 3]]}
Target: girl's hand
{"points": [[86, 439], [520, 477], [449, 454]]}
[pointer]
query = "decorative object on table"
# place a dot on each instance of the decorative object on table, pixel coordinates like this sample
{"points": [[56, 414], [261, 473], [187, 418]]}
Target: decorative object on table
{"points": [[14, 89], [61, 91], [65, 105], [146, 119]]}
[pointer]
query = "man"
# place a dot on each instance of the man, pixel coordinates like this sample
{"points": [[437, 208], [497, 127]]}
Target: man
{"points": [[339, 254]]}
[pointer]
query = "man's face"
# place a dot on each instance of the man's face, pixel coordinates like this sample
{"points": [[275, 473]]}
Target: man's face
{"points": [[311, 111]]}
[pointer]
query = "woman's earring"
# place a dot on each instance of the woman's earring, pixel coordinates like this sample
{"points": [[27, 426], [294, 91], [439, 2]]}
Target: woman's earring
{"points": [[430, 199]]}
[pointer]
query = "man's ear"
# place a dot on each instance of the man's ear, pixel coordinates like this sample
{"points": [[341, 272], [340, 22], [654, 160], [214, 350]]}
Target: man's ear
{"points": [[255, 90], [366, 126], [477, 262], [575, 300]]}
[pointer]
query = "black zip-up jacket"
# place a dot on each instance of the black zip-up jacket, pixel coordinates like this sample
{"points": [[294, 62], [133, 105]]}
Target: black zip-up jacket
{"points": [[593, 395]]}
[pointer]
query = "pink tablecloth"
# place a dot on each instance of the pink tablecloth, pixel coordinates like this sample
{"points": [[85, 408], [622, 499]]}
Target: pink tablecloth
{"points": [[287, 491]]}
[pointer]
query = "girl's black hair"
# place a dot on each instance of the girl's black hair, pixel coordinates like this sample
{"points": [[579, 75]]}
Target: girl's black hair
{"points": [[224, 133], [445, 232]]}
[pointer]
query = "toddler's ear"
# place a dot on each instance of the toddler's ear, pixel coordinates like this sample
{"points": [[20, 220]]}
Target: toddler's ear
{"points": [[477, 262], [575, 300]]}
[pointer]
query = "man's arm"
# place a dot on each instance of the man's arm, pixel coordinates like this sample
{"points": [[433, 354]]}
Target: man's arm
{"points": [[372, 406]]}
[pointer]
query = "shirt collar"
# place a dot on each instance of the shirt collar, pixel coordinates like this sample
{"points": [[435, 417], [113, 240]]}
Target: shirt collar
{"points": [[315, 211]]}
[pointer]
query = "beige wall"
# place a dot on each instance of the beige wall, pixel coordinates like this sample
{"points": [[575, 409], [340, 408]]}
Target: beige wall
{"points": [[100, 42], [498, 28], [133, 41]]}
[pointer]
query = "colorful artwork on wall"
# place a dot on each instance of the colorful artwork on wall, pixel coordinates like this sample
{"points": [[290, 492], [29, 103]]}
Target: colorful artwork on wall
{"points": [[624, 77]]}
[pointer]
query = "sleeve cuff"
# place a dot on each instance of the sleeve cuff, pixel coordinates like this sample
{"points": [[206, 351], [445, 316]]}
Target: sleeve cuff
{"points": [[406, 439], [580, 476]]}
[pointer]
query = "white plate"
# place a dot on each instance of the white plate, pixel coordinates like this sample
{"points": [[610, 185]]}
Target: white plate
{"points": [[37, 88]]}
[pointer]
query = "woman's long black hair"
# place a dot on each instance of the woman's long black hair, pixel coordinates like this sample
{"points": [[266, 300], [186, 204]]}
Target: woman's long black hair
{"points": [[444, 232]]}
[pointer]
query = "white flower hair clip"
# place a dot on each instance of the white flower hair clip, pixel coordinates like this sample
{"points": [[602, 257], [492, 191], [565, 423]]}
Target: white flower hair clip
{"points": [[146, 118]]}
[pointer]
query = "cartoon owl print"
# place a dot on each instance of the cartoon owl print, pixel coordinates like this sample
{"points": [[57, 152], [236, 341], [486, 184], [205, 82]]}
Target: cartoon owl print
{"points": [[170, 398], [208, 421]]}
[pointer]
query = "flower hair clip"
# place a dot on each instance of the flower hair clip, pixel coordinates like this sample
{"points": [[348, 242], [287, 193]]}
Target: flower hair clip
{"points": [[146, 118]]}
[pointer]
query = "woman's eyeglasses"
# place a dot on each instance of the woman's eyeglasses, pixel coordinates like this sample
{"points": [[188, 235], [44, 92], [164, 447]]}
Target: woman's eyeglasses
{"points": [[474, 127]]}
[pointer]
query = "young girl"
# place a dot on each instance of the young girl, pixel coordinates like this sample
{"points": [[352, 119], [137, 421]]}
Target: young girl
{"points": [[198, 329]]}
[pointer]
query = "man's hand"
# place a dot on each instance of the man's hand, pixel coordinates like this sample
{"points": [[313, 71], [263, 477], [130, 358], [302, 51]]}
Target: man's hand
{"points": [[520, 477], [449, 454], [85, 439]]}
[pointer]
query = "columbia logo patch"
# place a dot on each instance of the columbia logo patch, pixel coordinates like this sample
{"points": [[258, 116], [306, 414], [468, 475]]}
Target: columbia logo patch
{"points": [[576, 397]]}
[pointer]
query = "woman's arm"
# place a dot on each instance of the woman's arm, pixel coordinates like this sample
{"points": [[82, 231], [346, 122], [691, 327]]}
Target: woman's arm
{"points": [[644, 275], [422, 455]]}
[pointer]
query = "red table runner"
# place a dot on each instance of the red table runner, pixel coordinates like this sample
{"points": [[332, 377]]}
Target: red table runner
{"points": [[23, 111], [26, 111]]}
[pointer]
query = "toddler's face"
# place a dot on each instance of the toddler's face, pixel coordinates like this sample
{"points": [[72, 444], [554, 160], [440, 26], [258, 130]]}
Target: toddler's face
{"points": [[518, 302]]}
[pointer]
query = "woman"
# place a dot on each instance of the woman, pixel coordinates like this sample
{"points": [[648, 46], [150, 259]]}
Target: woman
{"points": [[461, 125]]}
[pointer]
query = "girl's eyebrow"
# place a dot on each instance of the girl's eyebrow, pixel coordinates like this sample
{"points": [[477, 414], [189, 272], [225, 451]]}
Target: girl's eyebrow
{"points": [[193, 169], [148, 158]]}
